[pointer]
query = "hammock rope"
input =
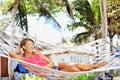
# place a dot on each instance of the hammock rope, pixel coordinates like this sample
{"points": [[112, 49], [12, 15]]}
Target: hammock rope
{"points": [[42, 71], [93, 53]]}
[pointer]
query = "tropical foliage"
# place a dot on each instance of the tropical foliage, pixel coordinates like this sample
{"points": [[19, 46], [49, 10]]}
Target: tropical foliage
{"points": [[113, 16], [113, 13], [27, 77], [32, 7], [88, 13], [89, 76], [85, 13]]}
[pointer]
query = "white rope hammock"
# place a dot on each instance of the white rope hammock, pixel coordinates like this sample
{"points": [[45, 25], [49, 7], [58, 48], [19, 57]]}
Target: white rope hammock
{"points": [[93, 53]]}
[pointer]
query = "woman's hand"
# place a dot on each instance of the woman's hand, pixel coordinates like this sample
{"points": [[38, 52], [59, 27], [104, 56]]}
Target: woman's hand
{"points": [[21, 51], [15, 54]]}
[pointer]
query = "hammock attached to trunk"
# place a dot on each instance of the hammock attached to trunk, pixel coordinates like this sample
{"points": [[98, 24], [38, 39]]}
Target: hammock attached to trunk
{"points": [[93, 53]]}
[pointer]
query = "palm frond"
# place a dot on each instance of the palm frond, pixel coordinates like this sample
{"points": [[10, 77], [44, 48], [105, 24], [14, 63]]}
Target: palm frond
{"points": [[82, 37], [21, 17]]}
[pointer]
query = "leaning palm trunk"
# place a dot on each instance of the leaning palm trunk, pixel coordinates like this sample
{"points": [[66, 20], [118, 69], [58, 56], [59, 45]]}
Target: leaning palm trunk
{"points": [[69, 9], [13, 14]]}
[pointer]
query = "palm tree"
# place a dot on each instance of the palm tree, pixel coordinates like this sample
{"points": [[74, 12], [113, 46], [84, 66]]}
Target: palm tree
{"points": [[88, 11], [113, 18], [103, 18], [40, 7], [13, 15]]}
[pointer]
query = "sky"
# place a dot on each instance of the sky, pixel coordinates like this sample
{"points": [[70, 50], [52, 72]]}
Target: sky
{"points": [[49, 32]]}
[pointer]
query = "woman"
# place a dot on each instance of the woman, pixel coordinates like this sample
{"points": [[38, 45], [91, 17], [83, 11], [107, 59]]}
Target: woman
{"points": [[31, 55]]}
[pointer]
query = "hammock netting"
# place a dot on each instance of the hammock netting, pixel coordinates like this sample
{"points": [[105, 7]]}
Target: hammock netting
{"points": [[93, 53]]}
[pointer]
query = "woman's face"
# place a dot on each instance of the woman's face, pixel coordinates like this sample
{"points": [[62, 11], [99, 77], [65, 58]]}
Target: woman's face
{"points": [[29, 46]]}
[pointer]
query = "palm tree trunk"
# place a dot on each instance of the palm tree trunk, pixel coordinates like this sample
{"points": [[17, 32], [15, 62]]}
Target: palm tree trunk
{"points": [[69, 10], [104, 25], [103, 18], [13, 15], [13, 12]]}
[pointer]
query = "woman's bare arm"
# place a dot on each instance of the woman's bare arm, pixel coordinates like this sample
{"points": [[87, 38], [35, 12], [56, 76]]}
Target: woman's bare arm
{"points": [[15, 54], [50, 63]]}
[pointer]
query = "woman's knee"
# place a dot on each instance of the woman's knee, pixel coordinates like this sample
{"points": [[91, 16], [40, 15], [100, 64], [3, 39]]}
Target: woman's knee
{"points": [[71, 68], [62, 65]]}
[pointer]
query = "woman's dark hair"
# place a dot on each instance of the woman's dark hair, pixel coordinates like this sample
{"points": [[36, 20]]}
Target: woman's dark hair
{"points": [[24, 41]]}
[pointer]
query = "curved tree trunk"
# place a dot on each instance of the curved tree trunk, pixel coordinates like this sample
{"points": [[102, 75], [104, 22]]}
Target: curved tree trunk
{"points": [[69, 10], [13, 12], [13, 15]]}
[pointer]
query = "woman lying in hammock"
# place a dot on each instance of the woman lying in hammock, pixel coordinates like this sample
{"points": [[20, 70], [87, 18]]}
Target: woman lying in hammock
{"points": [[35, 57]]}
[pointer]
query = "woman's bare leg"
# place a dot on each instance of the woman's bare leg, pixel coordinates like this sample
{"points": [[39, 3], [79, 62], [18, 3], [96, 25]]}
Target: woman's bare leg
{"points": [[64, 64], [76, 67], [85, 66], [103, 63], [69, 67], [61, 65]]}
